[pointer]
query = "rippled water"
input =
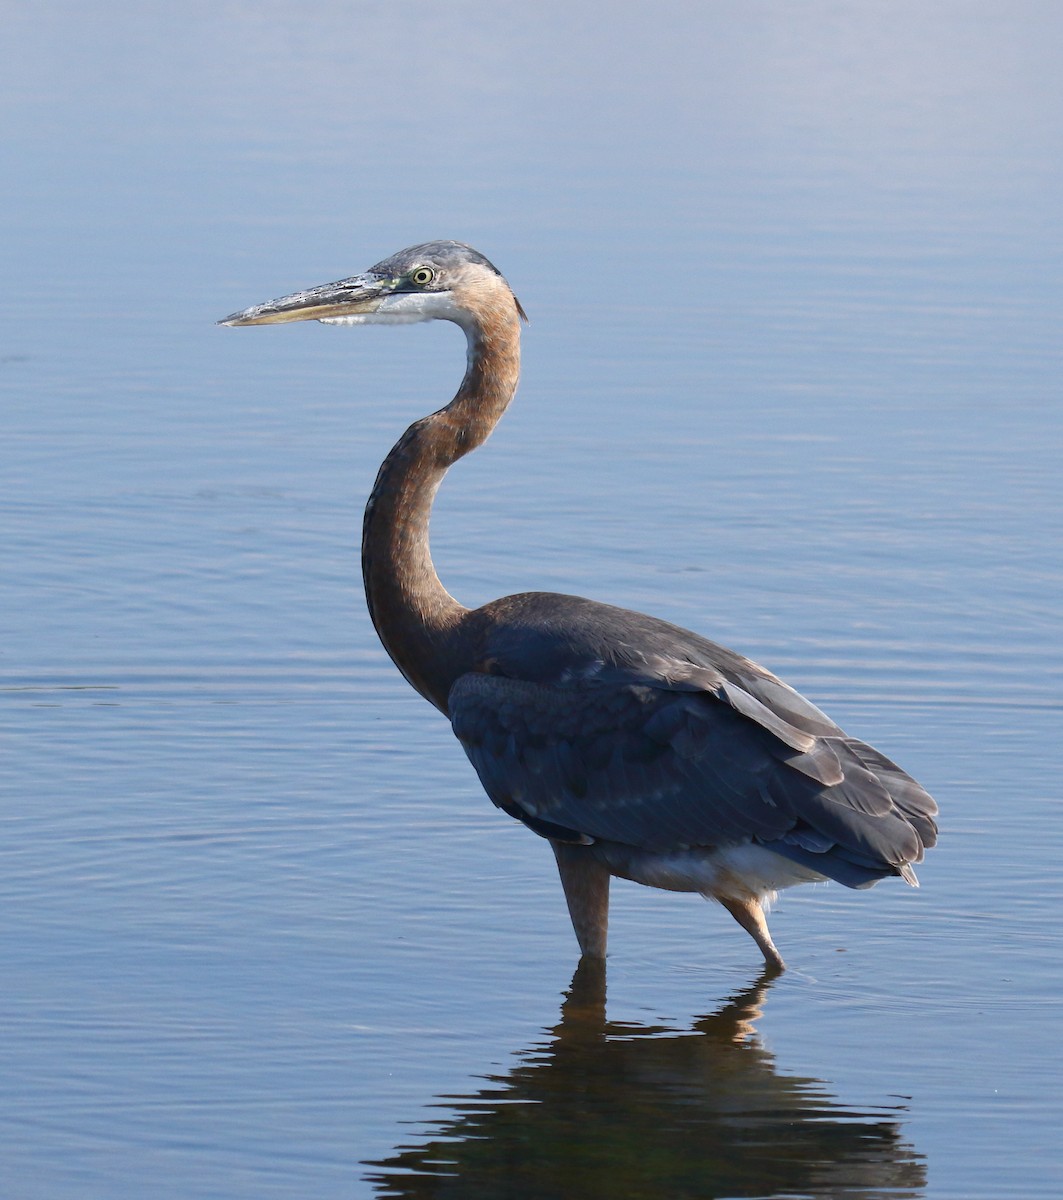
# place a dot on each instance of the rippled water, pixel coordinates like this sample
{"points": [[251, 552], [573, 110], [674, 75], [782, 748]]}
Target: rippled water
{"points": [[792, 380]]}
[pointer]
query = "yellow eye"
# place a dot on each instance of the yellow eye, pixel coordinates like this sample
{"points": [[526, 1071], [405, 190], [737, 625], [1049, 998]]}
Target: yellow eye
{"points": [[422, 276]]}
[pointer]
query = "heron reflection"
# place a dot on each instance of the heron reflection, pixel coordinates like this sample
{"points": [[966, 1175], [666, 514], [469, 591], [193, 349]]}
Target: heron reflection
{"points": [[615, 1109]]}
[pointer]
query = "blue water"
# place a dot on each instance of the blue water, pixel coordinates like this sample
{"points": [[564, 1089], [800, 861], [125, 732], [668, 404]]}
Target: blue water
{"points": [[792, 380]]}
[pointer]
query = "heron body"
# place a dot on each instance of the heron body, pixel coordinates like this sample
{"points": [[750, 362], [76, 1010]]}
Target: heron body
{"points": [[637, 748]]}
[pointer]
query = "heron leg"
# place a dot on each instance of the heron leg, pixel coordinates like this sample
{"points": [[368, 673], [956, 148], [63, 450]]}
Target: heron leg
{"points": [[750, 915], [586, 884]]}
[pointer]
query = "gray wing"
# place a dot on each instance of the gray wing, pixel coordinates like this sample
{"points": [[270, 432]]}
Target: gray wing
{"points": [[672, 754]]}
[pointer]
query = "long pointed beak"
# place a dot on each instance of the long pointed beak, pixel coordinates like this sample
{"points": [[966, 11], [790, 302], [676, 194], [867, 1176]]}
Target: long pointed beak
{"points": [[357, 296]]}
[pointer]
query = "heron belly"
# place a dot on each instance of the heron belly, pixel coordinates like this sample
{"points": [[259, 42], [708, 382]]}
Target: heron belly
{"points": [[735, 872]]}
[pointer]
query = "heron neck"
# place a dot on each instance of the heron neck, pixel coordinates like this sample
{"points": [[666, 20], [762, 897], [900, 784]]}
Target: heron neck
{"points": [[419, 623]]}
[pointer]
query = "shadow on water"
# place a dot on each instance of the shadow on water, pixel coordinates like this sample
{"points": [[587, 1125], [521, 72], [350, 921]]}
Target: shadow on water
{"points": [[623, 1110]]}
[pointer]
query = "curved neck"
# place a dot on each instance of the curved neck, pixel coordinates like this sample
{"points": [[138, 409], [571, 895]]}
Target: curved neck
{"points": [[416, 618]]}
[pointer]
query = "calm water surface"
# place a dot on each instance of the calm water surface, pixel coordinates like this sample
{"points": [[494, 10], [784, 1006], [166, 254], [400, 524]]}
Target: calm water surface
{"points": [[792, 379]]}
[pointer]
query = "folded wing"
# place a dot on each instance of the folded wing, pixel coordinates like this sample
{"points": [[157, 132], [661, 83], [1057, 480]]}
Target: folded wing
{"points": [[669, 753]]}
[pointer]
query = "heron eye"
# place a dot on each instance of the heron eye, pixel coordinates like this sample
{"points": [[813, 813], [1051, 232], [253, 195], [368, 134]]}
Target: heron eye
{"points": [[422, 276]]}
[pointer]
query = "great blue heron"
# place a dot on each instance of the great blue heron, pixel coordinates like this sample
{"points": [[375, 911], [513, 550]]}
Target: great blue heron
{"points": [[637, 748]]}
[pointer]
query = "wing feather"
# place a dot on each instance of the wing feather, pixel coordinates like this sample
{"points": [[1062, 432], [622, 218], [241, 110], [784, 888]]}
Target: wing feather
{"points": [[606, 755]]}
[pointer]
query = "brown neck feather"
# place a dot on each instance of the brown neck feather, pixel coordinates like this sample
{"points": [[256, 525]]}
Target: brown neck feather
{"points": [[418, 621]]}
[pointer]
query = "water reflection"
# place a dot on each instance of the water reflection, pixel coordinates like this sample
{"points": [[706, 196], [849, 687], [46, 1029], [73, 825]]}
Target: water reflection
{"points": [[621, 1110]]}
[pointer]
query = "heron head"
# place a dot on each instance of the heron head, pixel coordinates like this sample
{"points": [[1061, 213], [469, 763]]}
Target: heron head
{"points": [[446, 281]]}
